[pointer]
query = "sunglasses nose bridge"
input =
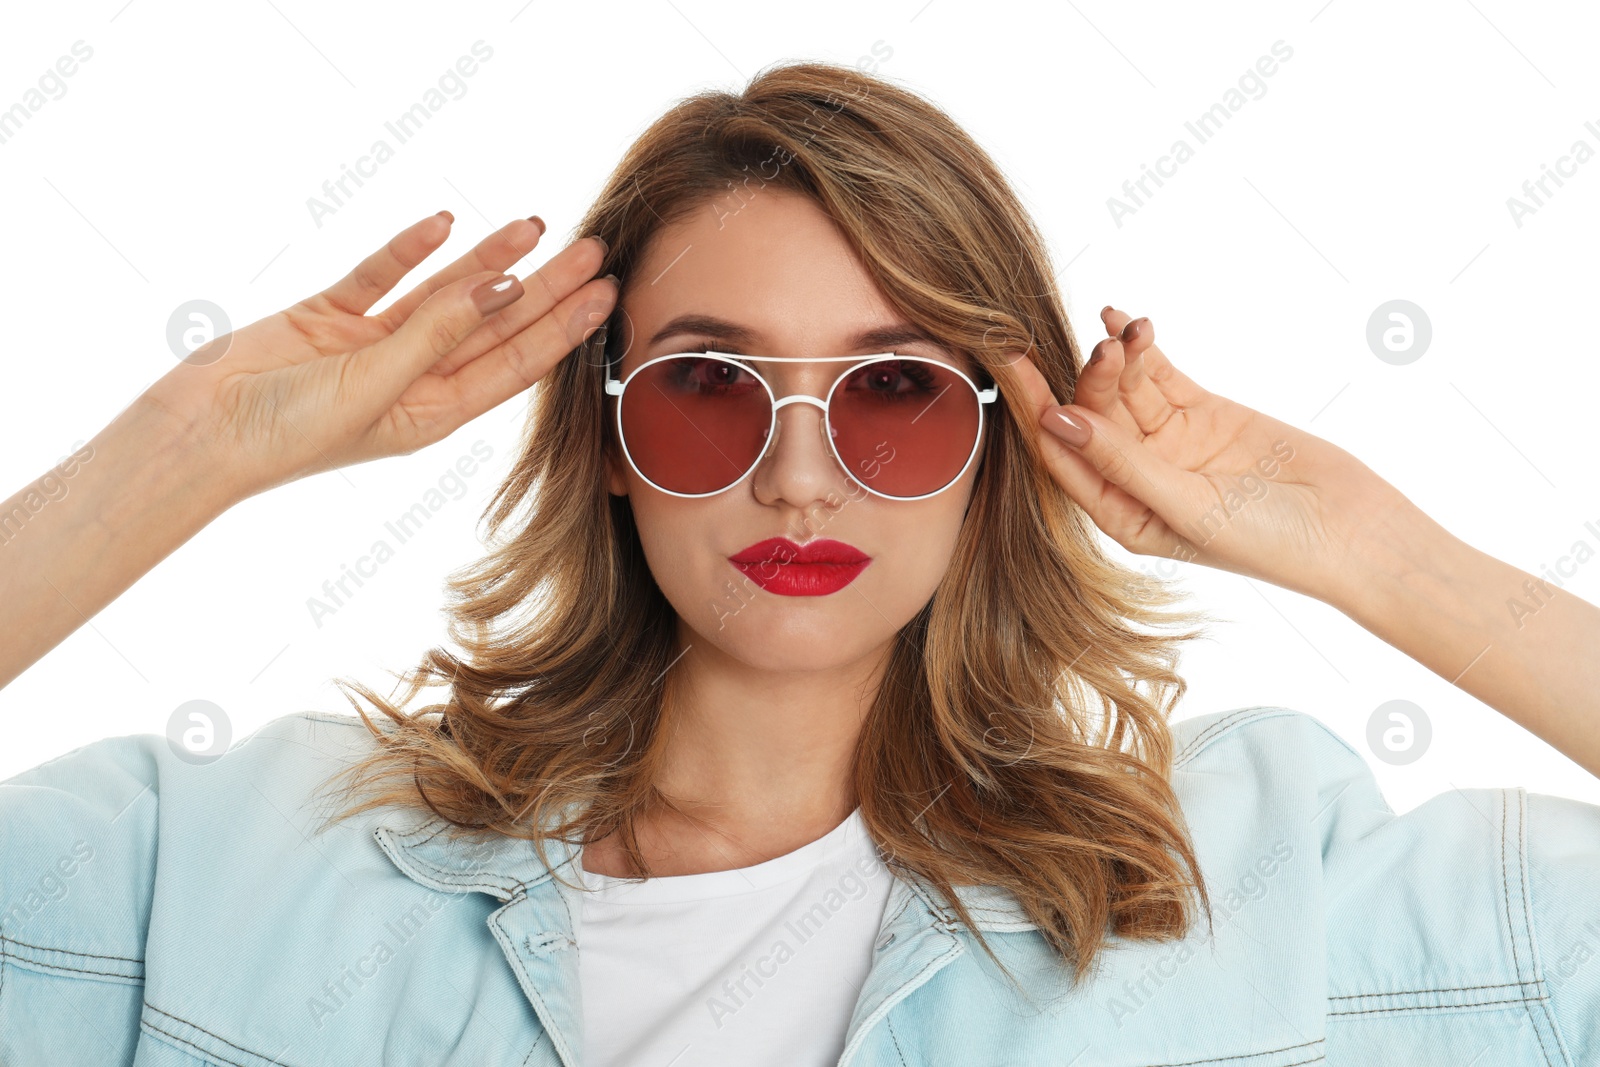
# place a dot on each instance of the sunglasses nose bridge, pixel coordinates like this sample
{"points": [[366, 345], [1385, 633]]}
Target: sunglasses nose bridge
{"points": [[770, 447], [799, 398]]}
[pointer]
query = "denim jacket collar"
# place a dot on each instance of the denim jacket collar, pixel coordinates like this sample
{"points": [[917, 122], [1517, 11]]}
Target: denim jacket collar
{"points": [[539, 924], [502, 866], [505, 866]]}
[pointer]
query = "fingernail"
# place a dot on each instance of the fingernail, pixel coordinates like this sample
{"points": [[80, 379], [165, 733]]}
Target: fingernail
{"points": [[448, 217], [537, 221], [1071, 431], [1133, 329], [496, 293], [1093, 359], [605, 249], [616, 281], [1104, 310]]}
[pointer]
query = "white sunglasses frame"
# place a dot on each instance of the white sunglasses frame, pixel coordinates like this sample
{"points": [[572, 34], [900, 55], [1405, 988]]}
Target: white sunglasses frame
{"points": [[615, 388]]}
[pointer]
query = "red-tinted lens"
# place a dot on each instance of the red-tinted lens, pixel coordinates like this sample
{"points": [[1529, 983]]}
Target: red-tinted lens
{"points": [[904, 427], [695, 423]]}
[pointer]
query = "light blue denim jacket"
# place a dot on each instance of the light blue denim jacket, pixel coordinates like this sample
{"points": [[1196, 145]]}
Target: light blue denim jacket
{"points": [[166, 914]]}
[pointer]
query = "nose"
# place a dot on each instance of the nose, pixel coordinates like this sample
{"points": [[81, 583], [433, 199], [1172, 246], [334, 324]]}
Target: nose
{"points": [[791, 467]]}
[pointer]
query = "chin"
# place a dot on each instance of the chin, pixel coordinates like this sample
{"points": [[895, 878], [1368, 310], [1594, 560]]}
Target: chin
{"points": [[789, 645]]}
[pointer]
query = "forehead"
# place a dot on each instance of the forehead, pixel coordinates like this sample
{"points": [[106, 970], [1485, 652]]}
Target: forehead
{"points": [[772, 276]]}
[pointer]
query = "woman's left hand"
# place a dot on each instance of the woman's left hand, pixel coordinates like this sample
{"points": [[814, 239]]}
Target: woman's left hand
{"points": [[1170, 469]]}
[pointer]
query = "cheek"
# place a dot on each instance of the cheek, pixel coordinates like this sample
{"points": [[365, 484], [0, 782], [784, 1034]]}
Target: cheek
{"points": [[915, 544], [663, 529], [681, 541]]}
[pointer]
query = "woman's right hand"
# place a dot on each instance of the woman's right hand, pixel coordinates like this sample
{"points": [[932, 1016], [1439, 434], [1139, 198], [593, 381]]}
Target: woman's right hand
{"points": [[317, 386], [323, 384]]}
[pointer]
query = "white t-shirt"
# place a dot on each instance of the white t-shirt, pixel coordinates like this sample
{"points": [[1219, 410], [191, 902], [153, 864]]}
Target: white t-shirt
{"points": [[756, 966]]}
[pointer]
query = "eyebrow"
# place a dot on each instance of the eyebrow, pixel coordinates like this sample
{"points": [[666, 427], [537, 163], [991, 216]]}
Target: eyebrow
{"points": [[881, 338]]}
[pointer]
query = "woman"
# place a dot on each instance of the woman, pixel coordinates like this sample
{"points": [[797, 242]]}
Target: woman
{"points": [[795, 611]]}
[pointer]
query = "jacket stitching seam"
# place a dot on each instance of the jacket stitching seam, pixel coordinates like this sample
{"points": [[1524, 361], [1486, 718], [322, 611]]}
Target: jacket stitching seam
{"points": [[503, 882], [1440, 1007], [185, 1043], [557, 1042], [1271, 1051], [1222, 725], [1205, 736], [1527, 919], [1432, 989], [572, 923], [917, 979], [334, 717], [1511, 929], [410, 839], [66, 951], [508, 885], [83, 970], [69, 967], [901, 910], [1505, 891], [203, 1030], [898, 1051], [535, 1048], [944, 917], [1511, 923]]}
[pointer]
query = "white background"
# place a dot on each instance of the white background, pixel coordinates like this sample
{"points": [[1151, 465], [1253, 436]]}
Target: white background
{"points": [[1376, 166]]}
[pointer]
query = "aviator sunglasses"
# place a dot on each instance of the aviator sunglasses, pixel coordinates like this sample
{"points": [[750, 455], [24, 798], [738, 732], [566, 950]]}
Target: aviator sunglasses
{"points": [[694, 424]]}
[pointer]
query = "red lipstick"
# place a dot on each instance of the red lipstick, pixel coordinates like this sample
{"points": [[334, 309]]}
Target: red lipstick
{"points": [[815, 568]]}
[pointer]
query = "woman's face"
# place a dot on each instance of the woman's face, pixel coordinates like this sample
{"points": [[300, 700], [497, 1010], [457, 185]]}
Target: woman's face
{"points": [[778, 270]]}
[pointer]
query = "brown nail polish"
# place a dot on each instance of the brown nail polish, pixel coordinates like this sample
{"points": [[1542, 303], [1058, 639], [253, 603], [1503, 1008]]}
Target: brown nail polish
{"points": [[605, 249], [1074, 431], [1104, 310], [537, 221], [496, 293], [448, 217]]}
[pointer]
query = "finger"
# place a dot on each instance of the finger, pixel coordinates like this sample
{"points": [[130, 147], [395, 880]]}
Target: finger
{"points": [[1098, 385], [1148, 406], [382, 271], [1034, 387], [1177, 388], [1123, 460], [514, 366], [499, 252], [1073, 472], [544, 289], [1114, 319], [375, 377], [1129, 520]]}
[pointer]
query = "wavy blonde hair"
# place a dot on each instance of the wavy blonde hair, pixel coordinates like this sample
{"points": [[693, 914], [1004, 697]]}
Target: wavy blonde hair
{"points": [[1012, 742]]}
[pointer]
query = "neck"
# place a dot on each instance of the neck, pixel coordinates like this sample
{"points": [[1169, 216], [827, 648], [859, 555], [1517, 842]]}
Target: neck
{"points": [[756, 763]]}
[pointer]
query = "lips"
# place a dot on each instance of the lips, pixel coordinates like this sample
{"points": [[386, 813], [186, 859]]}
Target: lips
{"points": [[815, 568], [783, 550]]}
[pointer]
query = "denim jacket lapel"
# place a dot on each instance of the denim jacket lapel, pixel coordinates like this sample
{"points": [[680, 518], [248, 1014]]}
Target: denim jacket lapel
{"points": [[536, 929]]}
